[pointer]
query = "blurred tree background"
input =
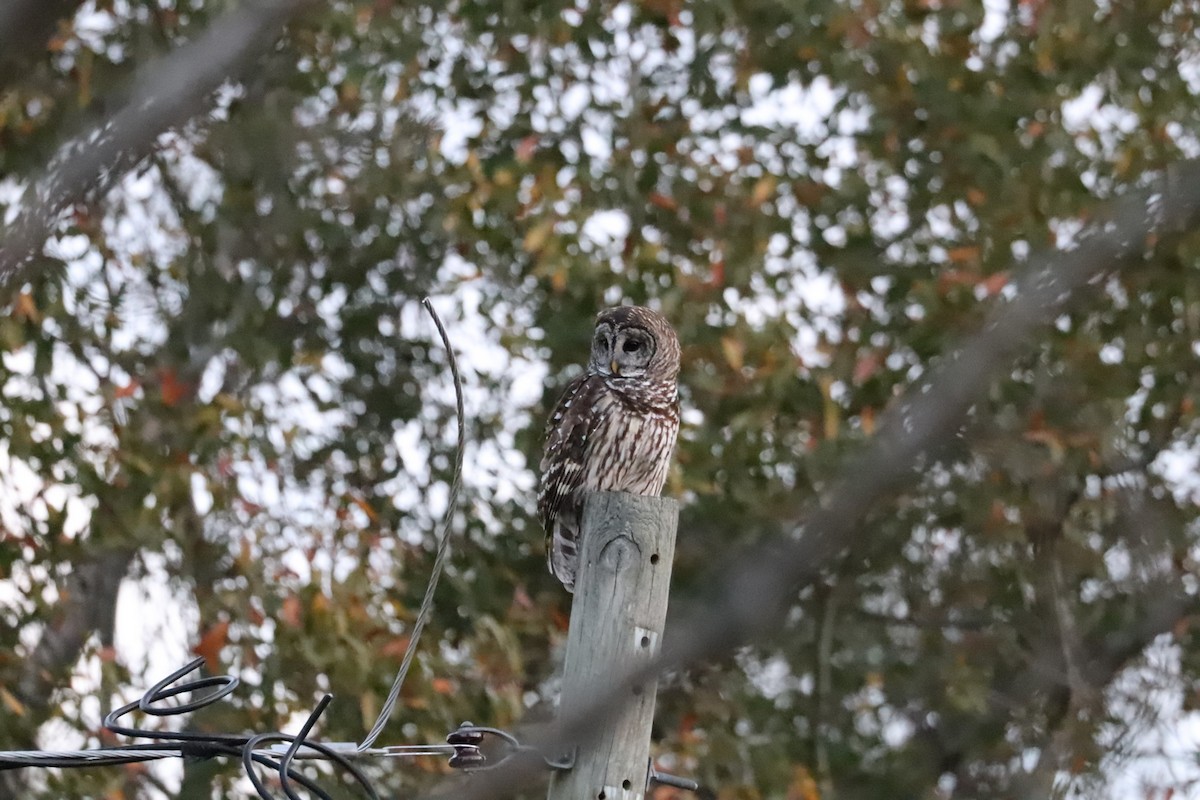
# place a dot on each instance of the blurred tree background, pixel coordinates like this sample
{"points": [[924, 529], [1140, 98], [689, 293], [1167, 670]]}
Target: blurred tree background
{"points": [[227, 428]]}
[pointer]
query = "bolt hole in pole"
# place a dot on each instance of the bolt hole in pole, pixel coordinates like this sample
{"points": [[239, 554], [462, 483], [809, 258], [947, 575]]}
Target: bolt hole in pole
{"points": [[645, 641], [626, 784], [654, 558]]}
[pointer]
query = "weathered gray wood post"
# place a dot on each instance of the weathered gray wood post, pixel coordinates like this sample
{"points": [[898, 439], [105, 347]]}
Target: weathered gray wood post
{"points": [[617, 620]]}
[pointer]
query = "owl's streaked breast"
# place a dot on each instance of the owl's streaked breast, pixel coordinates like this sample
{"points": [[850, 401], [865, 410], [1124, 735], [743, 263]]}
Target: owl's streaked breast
{"points": [[631, 449]]}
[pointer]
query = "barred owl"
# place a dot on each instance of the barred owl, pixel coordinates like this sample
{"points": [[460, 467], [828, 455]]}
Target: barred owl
{"points": [[614, 428]]}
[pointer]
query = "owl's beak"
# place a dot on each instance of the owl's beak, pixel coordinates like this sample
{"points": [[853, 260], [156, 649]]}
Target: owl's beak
{"points": [[615, 367]]}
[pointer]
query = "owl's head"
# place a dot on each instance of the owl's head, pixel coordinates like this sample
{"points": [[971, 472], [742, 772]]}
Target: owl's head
{"points": [[634, 342]]}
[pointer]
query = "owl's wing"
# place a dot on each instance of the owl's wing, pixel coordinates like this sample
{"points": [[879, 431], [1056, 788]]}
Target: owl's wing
{"points": [[567, 433]]}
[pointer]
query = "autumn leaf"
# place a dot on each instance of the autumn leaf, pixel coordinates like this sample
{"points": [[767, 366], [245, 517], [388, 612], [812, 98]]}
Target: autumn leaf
{"points": [[537, 236], [663, 201], [395, 648], [560, 620], [290, 611], [867, 418], [993, 283], [210, 644], [764, 188], [14, 705], [558, 280], [319, 603], [173, 390], [526, 148], [25, 308], [128, 390], [521, 598], [866, 367], [716, 277], [734, 351], [687, 728], [963, 255], [803, 786]]}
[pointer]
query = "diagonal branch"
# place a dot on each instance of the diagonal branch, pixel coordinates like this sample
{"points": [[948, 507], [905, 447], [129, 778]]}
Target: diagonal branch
{"points": [[166, 93], [89, 602], [750, 597]]}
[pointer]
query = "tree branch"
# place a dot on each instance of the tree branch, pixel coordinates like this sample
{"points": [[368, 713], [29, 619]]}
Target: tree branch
{"points": [[166, 93], [88, 604], [750, 597]]}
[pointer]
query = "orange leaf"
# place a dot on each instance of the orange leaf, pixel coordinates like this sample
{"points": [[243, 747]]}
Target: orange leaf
{"points": [[560, 620], [395, 648], [558, 280], [803, 787], [995, 282], [526, 148], [128, 390], [290, 612], [975, 197], [210, 644], [866, 366], [12, 703], [734, 350], [663, 201], [442, 685], [173, 389], [963, 255], [26, 309], [950, 278], [763, 189], [717, 273], [537, 236], [687, 728], [521, 598], [320, 603]]}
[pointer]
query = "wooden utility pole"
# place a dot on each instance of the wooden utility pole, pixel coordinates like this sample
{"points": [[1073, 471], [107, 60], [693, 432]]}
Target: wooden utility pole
{"points": [[617, 620]]}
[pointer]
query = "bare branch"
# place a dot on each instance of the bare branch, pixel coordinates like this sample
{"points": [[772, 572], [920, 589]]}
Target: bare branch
{"points": [[89, 601], [750, 597], [166, 93]]}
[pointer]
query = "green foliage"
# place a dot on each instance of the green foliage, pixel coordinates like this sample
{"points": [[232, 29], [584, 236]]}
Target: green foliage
{"points": [[223, 368]]}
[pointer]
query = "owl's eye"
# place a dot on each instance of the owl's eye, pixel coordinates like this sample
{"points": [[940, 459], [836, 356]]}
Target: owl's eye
{"points": [[631, 346]]}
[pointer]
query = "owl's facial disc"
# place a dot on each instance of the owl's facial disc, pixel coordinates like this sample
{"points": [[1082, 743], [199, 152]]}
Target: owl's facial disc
{"points": [[632, 350], [602, 344]]}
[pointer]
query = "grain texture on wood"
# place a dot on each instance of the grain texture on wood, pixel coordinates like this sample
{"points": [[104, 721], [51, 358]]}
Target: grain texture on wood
{"points": [[617, 620]]}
